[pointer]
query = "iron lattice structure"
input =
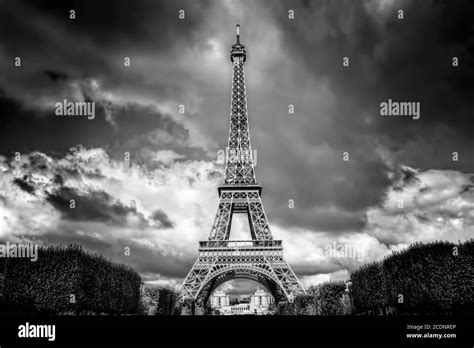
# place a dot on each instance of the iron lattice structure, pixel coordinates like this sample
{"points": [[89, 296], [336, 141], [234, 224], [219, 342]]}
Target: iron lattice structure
{"points": [[261, 258]]}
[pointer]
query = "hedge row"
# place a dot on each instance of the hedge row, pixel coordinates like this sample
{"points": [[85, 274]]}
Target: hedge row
{"points": [[69, 280], [434, 278], [324, 299]]}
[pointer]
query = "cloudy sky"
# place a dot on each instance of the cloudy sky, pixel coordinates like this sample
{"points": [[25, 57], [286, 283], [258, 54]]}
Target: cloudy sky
{"points": [[162, 202]]}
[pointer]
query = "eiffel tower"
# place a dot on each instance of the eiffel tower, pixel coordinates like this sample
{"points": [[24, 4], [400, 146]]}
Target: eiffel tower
{"points": [[220, 259]]}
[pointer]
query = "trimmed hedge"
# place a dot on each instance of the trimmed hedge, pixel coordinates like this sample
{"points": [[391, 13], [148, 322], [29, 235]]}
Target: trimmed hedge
{"points": [[69, 280], [434, 278], [324, 299]]}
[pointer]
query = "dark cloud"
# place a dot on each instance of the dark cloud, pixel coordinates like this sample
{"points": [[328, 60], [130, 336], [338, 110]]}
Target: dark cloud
{"points": [[50, 133], [24, 185], [55, 75], [406, 176], [122, 25], [25, 130], [329, 195], [91, 206], [125, 22], [95, 43], [161, 217], [405, 60]]}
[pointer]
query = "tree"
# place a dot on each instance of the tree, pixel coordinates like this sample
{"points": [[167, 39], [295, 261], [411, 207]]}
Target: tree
{"points": [[150, 299]]}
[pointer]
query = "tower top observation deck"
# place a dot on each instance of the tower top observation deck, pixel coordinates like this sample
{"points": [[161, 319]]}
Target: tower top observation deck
{"points": [[238, 50]]}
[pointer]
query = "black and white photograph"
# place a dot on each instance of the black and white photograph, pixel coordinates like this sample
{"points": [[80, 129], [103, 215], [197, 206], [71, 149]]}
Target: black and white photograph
{"points": [[241, 166]]}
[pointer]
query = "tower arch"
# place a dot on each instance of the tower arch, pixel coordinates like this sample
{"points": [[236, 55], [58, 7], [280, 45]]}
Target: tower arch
{"points": [[232, 272]]}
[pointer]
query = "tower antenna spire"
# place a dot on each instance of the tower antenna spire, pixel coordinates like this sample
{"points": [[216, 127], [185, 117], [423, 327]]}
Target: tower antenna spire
{"points": [[238, 50]]}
